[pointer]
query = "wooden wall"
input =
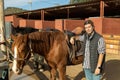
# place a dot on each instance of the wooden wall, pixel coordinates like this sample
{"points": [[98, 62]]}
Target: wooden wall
{"points": [[102, 25]]}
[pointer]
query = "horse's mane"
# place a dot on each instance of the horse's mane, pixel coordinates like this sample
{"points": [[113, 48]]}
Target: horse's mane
{"points": [[23, 30], [46, 39]]}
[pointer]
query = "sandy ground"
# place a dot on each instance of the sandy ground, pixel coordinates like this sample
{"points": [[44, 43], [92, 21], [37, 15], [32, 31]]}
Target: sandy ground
{"points": [[112, 71]]}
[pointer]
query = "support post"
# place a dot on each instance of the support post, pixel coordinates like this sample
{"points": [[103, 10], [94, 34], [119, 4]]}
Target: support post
{"points": [[101, 8], [3, 51]]}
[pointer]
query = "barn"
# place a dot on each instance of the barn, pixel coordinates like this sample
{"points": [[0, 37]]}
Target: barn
{"points": [[104, 13]]}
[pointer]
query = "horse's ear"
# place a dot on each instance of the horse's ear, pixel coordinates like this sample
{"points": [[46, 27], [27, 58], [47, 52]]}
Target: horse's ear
{"points": [[13, 37]]}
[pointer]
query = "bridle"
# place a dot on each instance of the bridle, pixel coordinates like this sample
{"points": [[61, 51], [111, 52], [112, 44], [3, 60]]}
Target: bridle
{"points": [[29, 52], [21, 59]]}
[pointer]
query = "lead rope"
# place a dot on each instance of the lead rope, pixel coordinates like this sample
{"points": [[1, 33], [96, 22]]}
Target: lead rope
{"points": [[29, 51], [30, 46]]}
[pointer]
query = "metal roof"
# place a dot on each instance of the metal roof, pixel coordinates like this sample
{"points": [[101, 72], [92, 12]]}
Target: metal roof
{"points": [[75, 11]]}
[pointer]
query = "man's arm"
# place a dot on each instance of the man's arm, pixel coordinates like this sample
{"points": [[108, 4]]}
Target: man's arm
{"points": [[72, 39], [100, 60], [101, 50], [80, 37]]}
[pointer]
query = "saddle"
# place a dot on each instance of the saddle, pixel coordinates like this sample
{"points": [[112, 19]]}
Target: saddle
{"points": [[75, 50], [75, 53]]}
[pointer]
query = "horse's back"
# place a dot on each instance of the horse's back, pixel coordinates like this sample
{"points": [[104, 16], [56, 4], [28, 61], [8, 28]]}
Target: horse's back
{"points": [[56, 35], [48, 39]]}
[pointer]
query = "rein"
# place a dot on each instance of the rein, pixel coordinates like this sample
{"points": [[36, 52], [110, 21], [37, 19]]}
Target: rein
{"points": [[24, 58]]}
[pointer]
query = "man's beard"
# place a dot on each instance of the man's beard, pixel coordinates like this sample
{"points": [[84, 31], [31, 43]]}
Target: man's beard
{"points": [[89, 34]]}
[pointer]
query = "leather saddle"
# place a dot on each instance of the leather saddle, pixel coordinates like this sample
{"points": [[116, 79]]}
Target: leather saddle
{"points": [[75, 53]]}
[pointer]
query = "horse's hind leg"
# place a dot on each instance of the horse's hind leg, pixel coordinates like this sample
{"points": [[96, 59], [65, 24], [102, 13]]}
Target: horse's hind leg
{"points": [[62, 72]]}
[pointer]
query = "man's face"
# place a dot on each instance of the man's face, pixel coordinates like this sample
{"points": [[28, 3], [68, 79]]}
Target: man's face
{"points": [[88, 28]]}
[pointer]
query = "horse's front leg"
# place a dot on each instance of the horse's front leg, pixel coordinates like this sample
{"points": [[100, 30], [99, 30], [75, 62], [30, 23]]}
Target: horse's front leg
{"points": [[52, 71], [62, 72], [53, 74]]}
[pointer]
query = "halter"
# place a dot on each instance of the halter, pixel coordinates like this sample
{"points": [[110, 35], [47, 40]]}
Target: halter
{"points": [[21, 58]]}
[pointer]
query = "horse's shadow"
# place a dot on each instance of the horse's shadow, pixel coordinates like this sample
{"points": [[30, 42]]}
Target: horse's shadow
{"points": [[39, 74], [79, 76], [112, 70], [42, 76]]}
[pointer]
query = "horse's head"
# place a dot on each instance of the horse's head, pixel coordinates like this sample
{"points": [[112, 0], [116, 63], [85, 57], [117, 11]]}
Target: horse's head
{"points": [[21, 52]]}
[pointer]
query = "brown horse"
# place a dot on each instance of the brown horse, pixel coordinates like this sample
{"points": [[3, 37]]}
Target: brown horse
{"points": [[52, 45]]}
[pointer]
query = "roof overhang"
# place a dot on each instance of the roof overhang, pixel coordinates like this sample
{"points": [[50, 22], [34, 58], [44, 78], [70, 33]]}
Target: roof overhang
{"points": [[74, 11]]}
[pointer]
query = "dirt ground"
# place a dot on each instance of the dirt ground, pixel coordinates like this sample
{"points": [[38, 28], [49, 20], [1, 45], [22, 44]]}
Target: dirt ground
{"points": [[112, 71]]}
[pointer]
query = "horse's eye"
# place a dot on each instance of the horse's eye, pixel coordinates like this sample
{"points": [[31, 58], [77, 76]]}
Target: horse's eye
{"points": [[22, 50]]}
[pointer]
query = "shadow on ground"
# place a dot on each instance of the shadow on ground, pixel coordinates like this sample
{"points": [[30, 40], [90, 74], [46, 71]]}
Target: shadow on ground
{"points": [[80, 76], [112, 70], [42, 76], [39, 74]]}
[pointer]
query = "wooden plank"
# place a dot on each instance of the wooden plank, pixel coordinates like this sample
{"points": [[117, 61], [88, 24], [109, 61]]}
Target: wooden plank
{"points": [[111, 46], [112, 51], [115, 42], [106, 36]]}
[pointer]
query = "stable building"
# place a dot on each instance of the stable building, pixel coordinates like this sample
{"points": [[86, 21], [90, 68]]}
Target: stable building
{"points": [[104, 13]]}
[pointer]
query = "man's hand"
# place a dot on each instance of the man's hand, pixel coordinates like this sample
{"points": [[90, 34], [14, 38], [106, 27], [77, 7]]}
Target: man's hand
{"points": [[72, 40], [97, 71]]}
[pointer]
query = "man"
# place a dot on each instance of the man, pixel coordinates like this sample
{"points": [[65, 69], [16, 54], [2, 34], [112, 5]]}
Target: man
{"points": [[94, 51]]}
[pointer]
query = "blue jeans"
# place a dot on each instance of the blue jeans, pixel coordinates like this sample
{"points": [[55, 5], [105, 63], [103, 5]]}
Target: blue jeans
{"points": [[91, 76]]}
